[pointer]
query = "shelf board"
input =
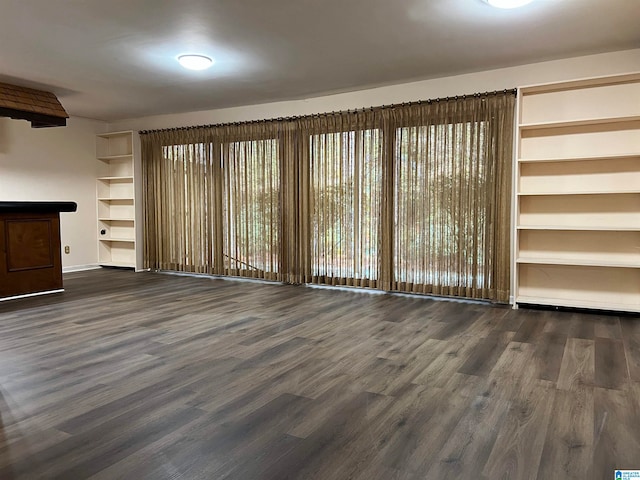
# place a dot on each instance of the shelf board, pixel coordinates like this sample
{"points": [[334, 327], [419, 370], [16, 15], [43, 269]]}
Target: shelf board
{"points": [[579, 228], [580, 84], [110, 219], [577, 303], [107, 199], [114, 239], [580, 159], [578, 123], [116, 157], [108, 179], [115, 134], [577, 262], [603, 192]]}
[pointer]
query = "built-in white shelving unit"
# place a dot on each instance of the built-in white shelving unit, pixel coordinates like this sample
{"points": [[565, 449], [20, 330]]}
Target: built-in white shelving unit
{"points": [[116, 200], [577, 236]]}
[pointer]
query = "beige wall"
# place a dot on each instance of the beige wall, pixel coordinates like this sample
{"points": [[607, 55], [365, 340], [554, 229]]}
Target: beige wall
{"points": [[56, 164], [568, 69]]}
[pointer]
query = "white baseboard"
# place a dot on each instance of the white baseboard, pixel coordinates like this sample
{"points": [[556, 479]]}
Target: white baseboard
{"points": [[226, 278], [80, 268], [36, 294], [344, 288]]}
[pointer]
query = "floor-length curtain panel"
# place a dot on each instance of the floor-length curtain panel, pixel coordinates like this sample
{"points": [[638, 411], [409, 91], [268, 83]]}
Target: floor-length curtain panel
{"points": [[178, 199], [251, 200], [343, 153], [295, 261], [452, 193]]}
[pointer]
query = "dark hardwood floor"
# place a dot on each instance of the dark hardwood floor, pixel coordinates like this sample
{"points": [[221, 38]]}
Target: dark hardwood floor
{"points": [[151, 376]]}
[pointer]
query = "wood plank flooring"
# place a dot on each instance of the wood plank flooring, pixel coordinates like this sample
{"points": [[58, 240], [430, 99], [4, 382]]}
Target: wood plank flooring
{"points": [[151, 376]]}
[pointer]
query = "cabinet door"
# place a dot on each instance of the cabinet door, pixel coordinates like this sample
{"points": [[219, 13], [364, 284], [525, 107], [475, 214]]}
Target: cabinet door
{"points": [[30, 254]]}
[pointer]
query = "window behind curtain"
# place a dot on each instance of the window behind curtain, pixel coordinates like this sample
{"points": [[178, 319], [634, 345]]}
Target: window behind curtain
{"points": [[441, 207], [251, 208], [188, 244], [346, 183]]}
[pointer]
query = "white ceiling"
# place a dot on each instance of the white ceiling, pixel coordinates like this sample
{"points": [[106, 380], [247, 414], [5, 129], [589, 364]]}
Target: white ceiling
{"points": [[115, 59]]}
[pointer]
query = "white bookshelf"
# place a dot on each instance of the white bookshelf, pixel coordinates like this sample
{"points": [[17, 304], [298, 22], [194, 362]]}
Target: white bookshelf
{"points": [[116, 200], [577, 235]]}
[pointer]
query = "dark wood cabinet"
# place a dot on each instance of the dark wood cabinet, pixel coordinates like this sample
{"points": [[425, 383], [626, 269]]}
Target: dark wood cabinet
{"points": [[30, 259]]}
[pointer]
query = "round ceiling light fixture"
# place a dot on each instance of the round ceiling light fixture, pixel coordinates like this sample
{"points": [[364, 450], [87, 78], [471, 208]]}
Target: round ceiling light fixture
{"points": [[508, 3], [195, 62]]}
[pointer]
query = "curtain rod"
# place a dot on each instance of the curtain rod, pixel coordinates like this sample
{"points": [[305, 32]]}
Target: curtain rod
{"points": [[514, 91]]}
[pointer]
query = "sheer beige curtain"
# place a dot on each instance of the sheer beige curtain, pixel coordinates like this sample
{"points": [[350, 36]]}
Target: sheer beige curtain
{"points": [[249, 185], [212, 200], [178, 190], [342, 184], [452, 190], [411, 198]]}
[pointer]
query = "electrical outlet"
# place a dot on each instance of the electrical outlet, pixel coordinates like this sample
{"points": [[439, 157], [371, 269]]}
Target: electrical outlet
{"points": [[67, 249]]}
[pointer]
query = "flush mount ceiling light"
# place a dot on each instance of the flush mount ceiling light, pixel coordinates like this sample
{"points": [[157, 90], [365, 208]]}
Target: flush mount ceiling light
{"points": [[508, 3], [195, 62]]}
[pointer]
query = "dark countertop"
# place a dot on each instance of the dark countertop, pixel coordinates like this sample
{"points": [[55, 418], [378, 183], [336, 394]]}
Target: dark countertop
{"points": [[37, 207]]}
